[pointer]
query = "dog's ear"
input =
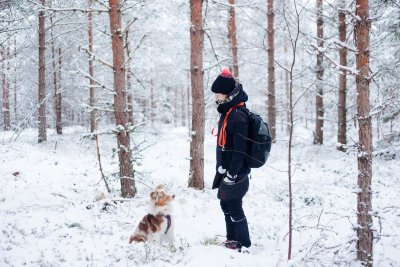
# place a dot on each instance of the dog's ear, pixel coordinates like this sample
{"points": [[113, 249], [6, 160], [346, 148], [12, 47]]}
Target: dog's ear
{"points": [[173, 196], [153, 195]]}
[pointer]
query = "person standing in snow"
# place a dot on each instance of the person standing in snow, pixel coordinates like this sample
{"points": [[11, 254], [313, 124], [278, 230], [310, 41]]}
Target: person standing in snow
{"points": [[232, 172]]}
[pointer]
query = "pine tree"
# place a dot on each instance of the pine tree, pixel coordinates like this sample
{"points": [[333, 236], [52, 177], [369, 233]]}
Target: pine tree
{"points": [[196, 174], [128, 188], [364, 205], [232, 38], [319, 100]]}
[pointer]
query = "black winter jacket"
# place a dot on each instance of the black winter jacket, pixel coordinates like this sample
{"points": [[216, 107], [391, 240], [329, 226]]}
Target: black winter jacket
{"points": [[232, 157]]}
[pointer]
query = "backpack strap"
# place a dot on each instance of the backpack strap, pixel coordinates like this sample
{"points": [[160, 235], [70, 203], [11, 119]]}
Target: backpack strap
{"points": [[222, 133]]}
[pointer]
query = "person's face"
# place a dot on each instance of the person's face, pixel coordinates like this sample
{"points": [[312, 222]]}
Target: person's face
{"points": [[220, 97]]}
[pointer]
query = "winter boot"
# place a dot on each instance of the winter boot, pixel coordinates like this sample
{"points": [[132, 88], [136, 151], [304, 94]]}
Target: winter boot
{"points": [[232, 244]]}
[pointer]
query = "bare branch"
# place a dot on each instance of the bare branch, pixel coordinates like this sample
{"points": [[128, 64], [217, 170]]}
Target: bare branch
{"points": [[97, 58], [213, 49], [87, 75], [69, 9], [129, 25], [140, 42], [337, 65]]}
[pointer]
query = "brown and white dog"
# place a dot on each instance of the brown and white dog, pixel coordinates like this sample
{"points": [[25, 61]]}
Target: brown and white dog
{"points": [[158, 224]]}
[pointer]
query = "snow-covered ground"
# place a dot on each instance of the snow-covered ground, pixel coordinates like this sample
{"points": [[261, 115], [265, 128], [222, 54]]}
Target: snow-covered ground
{"points": [[49, 216]]}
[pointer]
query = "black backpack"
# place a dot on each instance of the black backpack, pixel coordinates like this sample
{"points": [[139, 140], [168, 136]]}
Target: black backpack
{"points": [[259, 141]]}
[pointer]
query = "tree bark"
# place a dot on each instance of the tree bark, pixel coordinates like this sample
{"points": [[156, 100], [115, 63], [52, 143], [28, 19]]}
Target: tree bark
{"points": [[319, 100], [364, 205], [92, 93], [232, 38], [42, 134], [196, 175], [128, 188], [271, 71], [342, 125]]}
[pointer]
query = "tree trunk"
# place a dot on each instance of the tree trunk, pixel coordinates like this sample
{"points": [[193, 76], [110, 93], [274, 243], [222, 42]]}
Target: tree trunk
{"points": [[342, 80], [59, 95], [8, 87], [152, 103], [293, 40], [128, 188], [176, 103], [129, 80], [196, 175], [42, 134], [55, 83], [319, 101], [6, 91], [92, 93], [232, 38], [287, 87], [189, 104], [15, 81], [271, 71], [364, 206], [183, 106]]}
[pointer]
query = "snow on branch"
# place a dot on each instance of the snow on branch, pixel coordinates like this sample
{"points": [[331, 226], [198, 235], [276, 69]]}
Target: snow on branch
{"points": [[74, 9], [349, 12], [92, 108], [344, 45], [320, 50], [87, 75], [97, 58]]}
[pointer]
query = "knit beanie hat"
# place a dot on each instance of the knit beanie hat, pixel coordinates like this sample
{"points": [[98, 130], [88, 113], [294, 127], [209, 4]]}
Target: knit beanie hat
{"points": [[224, 84]]}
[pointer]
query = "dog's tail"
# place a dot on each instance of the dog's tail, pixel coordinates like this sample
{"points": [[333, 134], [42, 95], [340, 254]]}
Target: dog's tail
{"points": [[137, 238]]}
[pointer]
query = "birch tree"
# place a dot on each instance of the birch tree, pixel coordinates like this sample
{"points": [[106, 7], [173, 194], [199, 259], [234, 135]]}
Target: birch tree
{"points": [[129, 80], [92, 93], [57, 92], [271, 71], [42, 133], [341, 137]]}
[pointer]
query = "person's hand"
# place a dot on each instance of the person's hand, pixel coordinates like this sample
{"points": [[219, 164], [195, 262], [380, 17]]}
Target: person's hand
{"points": [[221, 170], [229, 179]]}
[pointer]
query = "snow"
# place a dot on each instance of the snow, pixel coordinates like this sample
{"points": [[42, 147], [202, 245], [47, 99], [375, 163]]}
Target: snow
{"points": [[50, 216]]}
